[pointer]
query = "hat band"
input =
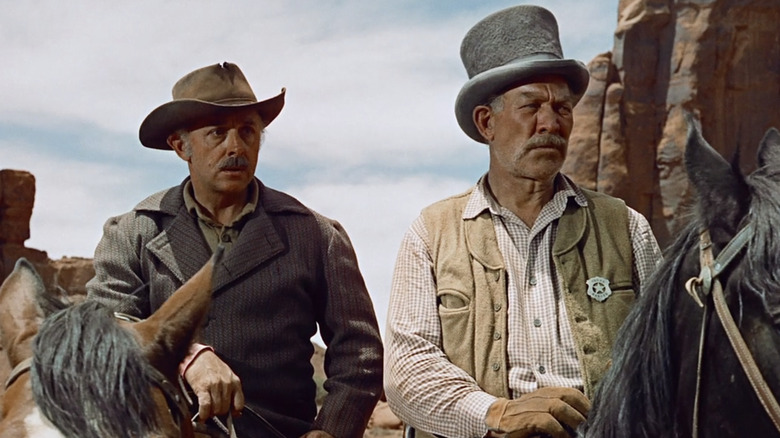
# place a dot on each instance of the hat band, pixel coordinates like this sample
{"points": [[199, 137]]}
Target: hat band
{"points": [[542, 56], [234, 101]]}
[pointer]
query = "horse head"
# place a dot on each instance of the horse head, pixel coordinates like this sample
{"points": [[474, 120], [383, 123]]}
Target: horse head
{"points": [[651, 388], [22, 308], [93, 375]]}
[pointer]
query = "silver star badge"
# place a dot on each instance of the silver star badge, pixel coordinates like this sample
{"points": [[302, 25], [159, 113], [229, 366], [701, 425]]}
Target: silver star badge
{"points": [[598, 288]]}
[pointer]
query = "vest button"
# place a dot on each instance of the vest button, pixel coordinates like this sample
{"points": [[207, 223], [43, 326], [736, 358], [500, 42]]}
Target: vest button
{"points": [[496, 336], [496, 366], [497, 307]]}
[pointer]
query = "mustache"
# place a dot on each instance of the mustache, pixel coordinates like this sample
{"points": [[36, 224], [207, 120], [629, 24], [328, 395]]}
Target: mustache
{"points": [[546, 140], [233, 163]]}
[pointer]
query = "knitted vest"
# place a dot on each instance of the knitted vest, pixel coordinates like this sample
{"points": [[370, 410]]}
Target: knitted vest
{"points": [[471, 284]]}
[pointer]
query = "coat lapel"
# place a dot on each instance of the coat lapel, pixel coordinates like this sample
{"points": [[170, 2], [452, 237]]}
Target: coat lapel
{"points": [[257, 243], [261, 238], [181, 247]]}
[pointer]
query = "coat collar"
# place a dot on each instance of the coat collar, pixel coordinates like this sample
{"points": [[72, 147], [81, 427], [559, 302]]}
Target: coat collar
{"points": [[182, 248]]}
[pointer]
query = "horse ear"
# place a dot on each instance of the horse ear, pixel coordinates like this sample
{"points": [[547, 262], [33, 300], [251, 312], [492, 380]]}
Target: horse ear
{"points": [[769, 149], [20, 313], [168, 333], [723, 195]]}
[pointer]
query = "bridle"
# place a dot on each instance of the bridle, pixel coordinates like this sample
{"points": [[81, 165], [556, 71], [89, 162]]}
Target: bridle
{"points": [[177, 403], [20, 368], [708, 285], [176, 398]]}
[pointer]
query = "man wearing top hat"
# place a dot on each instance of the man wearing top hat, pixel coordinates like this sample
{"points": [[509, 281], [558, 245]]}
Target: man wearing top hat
{"points": [[286, 270], [506, 299]]}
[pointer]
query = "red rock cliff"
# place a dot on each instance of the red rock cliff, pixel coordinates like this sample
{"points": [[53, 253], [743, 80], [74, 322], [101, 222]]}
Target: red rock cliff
{"points": [[719, 58]]}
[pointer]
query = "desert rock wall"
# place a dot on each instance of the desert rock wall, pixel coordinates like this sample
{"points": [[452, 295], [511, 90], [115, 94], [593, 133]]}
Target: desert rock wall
{"points": [[717, 58]]}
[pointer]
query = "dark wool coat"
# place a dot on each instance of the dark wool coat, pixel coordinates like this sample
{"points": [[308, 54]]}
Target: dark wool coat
{"points": [[290, 269]]}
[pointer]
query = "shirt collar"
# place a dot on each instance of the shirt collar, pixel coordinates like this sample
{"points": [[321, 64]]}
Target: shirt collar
{"points": [[481, 199], [195, 208]]}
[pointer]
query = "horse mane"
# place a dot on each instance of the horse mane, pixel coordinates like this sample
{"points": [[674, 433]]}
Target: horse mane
{"points": [[635, 398], [763, 257], [89, 376]]}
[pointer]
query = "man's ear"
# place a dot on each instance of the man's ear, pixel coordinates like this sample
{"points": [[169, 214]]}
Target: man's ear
{"points": [[483, 120], [176, 142]]}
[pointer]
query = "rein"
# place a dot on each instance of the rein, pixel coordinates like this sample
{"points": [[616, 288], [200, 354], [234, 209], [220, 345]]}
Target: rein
{"points": [[178, 401], [177, 404], [181, 400], [21, 368], [700, 288]]}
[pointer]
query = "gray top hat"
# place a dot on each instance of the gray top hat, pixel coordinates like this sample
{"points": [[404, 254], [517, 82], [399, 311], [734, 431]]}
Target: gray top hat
{"points": [[506, 48], [205, 92]]}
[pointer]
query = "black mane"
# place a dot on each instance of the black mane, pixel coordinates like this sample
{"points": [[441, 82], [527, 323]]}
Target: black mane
{"points": [[635, 398], [763, 257], [89, 377]]}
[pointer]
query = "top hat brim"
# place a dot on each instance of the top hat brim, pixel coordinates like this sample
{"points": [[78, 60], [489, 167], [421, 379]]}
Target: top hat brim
{"points": [[177, 114], [491, 83]]}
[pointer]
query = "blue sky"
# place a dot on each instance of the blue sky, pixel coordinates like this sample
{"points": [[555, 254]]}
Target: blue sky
{"points": [[368, 135]]}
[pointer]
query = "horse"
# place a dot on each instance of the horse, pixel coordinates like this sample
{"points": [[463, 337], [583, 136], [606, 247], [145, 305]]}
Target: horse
{"points": [[674, 372], [81, 372]]}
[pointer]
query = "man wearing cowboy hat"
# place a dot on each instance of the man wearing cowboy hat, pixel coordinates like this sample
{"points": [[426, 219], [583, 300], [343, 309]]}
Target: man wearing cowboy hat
{"points": [[506, 299], [286, 270]]}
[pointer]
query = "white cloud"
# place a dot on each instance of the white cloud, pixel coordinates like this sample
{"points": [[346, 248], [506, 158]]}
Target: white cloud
{"points": [[73, 198], [357, 72]]}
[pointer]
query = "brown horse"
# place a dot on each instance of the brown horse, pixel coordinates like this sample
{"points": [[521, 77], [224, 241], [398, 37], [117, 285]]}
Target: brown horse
{"points": [[91, 374]]}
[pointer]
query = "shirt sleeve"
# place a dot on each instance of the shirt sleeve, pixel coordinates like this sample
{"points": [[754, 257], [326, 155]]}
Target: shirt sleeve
{"points": [[647, 254], [423, 388]]}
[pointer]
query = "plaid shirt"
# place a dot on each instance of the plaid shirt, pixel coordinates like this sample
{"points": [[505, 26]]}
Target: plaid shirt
{"points": [[429, 392]]}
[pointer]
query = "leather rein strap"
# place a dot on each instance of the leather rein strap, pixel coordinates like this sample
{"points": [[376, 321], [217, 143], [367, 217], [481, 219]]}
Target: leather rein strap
{"points": [[178, 400], [21, 368], [700, 288]]}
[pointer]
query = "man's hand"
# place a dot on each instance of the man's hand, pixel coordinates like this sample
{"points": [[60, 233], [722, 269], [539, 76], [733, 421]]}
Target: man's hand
{"points": [[316, 434], [547, 411], [218, 389]]}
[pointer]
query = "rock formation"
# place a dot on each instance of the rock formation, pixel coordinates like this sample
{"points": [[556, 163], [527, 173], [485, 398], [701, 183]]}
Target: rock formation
{"points": [[719, 59], [17, 197]]}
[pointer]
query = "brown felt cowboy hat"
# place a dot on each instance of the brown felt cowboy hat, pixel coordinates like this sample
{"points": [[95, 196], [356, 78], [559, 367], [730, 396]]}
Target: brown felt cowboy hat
{"points": [[507, 47], [205, 92]]}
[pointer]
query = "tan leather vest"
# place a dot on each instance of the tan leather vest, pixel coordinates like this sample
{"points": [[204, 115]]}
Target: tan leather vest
{"points": [[471, 284]]}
